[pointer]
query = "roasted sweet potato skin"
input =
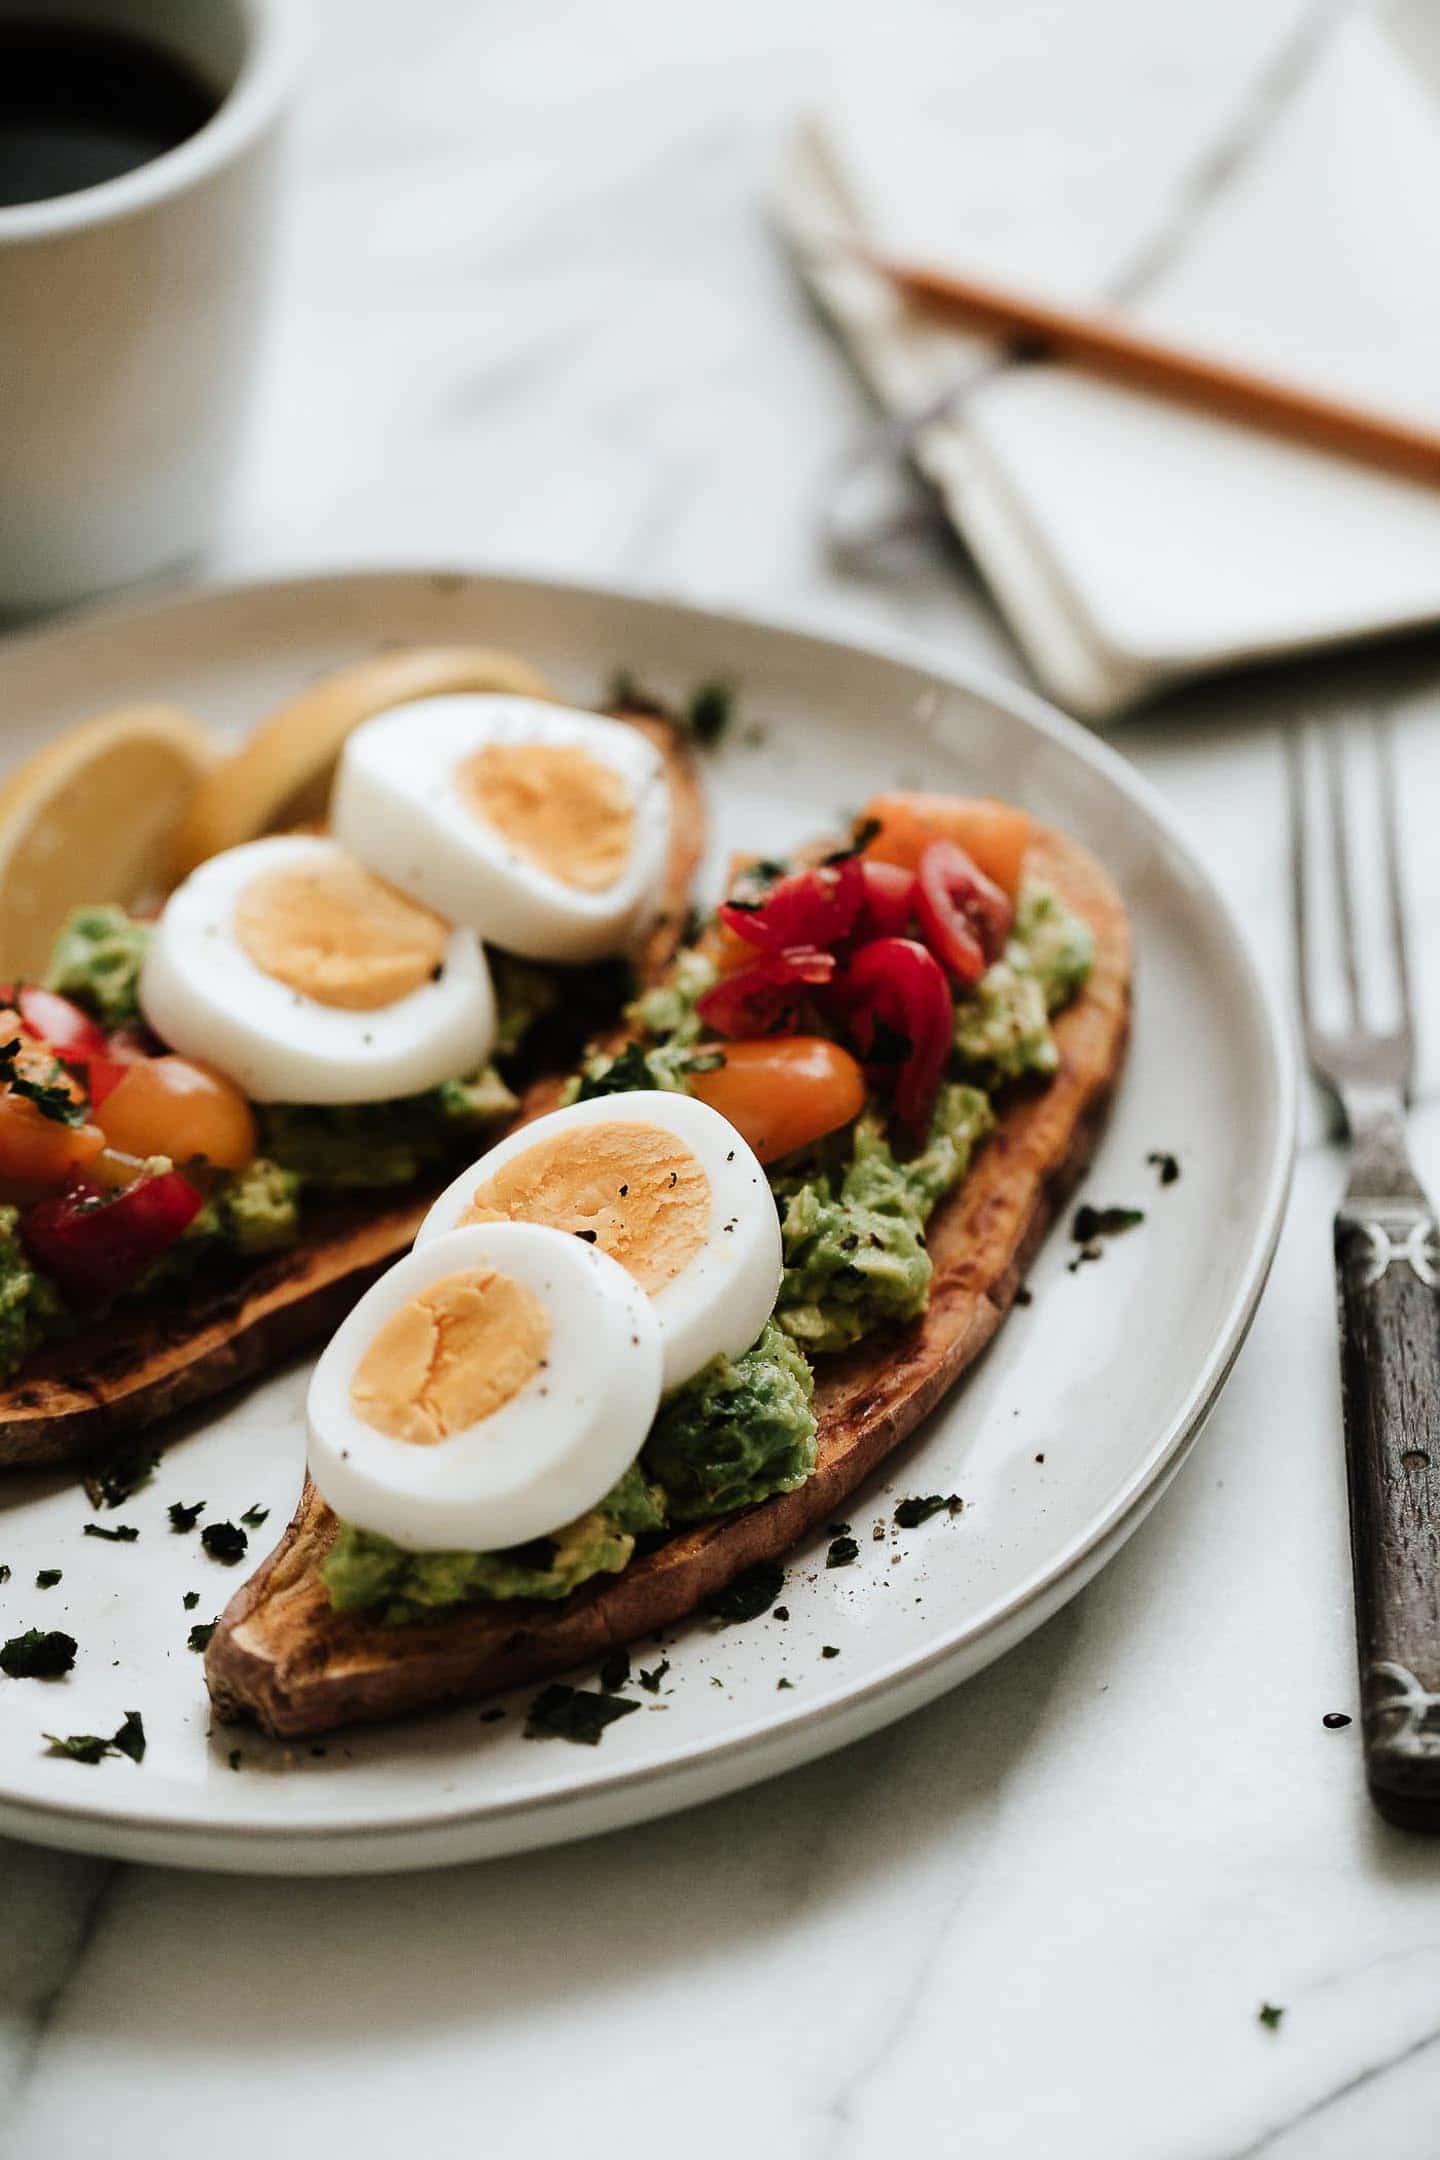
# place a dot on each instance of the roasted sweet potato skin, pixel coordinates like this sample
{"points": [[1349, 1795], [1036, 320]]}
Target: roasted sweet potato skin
{"points": [[78, 1396], [282, 1657]]}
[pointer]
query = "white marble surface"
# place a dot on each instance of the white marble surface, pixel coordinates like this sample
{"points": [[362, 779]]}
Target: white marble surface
{"points": [[530, 316]]}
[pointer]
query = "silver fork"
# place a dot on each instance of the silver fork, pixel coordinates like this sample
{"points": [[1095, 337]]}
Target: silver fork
{"points": [[1387, 1270]]}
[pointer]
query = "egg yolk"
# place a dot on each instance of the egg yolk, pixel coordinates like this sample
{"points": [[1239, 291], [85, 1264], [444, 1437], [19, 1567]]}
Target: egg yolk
{"points": [[338, 934], [572, 816], [633, 1190], [453, 1354]]}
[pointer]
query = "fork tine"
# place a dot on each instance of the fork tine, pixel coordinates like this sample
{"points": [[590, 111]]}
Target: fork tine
{"points": [[1383, 733], [1299, 862], [1340, 848]]}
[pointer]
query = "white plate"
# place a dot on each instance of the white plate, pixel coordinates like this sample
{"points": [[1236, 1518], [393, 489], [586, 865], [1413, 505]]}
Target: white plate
{"points": [[1062, 1439]]}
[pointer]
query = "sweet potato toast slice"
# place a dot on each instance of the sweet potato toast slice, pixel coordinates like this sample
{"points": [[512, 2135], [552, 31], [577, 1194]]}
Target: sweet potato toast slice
{"points": [[280, 1655], [144, 1361]]}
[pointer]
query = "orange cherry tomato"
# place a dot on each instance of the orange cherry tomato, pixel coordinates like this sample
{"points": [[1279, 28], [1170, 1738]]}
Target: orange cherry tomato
{"points": [[169, 1106], [37, 1153], [993, 834], [783, 1092]]}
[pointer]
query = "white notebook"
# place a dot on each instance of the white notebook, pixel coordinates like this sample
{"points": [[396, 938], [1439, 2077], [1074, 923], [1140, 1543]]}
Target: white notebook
{"points": [[1131, 544]]}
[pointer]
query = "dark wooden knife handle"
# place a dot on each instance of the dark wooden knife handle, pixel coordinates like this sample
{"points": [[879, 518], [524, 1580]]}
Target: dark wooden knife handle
{"points": [[1388, 1273]]}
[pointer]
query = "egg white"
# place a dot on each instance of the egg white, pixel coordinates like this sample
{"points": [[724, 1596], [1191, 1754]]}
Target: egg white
{"points": [[397, 806], [719, 1303], [204, 996], [541, 1459]]}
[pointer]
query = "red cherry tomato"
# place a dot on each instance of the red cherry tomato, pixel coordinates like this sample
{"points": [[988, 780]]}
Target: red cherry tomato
{"points": [[70, 1032], [759, 999], [889, 900], [964, 917], [102, 1076], [95, 1247], [901, 1016], [815, 907]]}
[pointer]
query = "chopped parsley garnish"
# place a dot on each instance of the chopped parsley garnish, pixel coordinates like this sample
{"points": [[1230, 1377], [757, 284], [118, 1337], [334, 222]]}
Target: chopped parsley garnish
{"points": [[1165, 1164], [579, 1714], [862, 833], [86, 1747], [225, 1542], [843, 1550], [615, 1671], [190, 1600], [113, 1485], [130, 1739], [184, 1518], [783, 1682], [122, 1534], [200, 1634], [624, 1074], [4, 1574], [38, 1654], [1270, 2015], [254, 1516], [627, 694], [1092, 1222], [47, 1578], [911, 1513], [53, 1100], [651, 1680], [710, 712], [752, 1592], [829, 1649]]}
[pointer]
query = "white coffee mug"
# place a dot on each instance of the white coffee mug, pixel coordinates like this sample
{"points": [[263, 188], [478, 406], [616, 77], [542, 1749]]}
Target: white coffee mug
{"points": [[130, 315]]}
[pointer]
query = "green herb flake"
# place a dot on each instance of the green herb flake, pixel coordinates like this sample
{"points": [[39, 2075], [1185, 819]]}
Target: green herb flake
{"points": [[130, 1739], [78, 1747], [578, 1714], [782, 1682], [190, 1600], [1270, 2014], [112, 1486], [122, 1534], [224, 1542], [615, 1671], [254, 1516], [200, 1634], [651, 1680], [752, 1592], [842, 1553], [38, 1654], [47, 1578], [1165, 1165], [829, 1649], [94, 1747], [184, 1518], [909, 1514], [710, 712], [1092, 1222], [4, 1574]]}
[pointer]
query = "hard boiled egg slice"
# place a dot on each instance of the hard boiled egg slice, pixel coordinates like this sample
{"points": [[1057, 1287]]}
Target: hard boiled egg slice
{"points": [[490, 1388], [305, 978], [664, 1185], [543, 828]]}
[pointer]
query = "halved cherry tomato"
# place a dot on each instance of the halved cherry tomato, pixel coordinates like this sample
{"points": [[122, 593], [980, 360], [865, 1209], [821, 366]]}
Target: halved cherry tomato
{"points": [[103, 1075], [758, 999], [896, 986], [95, 1246], [70, 1031], [169, 1106], [814, 907], [889, 899], [964, 917], [784, 1092], [38, 1153], [994, 834]]}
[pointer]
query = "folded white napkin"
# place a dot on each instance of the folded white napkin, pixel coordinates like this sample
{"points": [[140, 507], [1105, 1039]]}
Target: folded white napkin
{"points": [[1128, 542]]}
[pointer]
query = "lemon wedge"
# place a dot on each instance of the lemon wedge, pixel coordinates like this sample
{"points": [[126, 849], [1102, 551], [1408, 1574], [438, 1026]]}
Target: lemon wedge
{"points": [[91, 817], [281, 775]]}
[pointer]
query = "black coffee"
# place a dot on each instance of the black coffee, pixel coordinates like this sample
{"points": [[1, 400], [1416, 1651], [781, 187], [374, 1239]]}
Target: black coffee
{"points": [[80, 104]]}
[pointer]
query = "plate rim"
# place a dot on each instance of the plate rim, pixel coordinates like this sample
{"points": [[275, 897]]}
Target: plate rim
{"points": [[1008, 1616]]}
